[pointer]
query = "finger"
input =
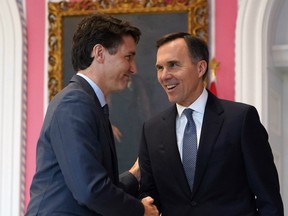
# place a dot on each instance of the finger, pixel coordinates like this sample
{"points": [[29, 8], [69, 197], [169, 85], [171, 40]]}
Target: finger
{"points": [[148, 199]]}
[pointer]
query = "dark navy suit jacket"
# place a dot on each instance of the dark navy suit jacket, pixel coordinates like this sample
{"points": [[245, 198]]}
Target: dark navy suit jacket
{"points": [[235, 173], [77, 171]]}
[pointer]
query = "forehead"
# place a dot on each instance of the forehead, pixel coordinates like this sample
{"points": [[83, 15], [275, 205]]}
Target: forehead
{"points": [[128, 44], [128, 40], [176, 49]]}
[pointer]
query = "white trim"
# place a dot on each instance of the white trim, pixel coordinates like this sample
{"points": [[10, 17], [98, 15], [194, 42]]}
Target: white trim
{"points": [[11, 67], [255, 31], [46, 51], [251, 55], [212, 35], [284, 188], [250, 63], [280, 56]]}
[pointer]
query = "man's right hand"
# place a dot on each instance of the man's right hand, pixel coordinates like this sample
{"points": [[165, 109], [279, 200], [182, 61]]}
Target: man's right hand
{"points": [[150, 208]]}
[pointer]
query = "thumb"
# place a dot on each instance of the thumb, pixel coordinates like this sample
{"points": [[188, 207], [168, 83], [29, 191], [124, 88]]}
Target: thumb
{"points": [[148, 199]]}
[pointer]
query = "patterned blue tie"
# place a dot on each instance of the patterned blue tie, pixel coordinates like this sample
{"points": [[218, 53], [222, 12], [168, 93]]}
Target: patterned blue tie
{"points": [[189, 147]]}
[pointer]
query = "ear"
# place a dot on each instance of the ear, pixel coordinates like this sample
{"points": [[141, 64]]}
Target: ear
{"points": [[202, 67], [98, 53]]}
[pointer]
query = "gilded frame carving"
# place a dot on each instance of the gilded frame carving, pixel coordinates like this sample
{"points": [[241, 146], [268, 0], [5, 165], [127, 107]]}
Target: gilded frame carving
{"points": [[197, 11], [144, 97]]}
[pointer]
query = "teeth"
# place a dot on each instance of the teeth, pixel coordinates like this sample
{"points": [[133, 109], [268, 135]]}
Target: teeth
{"points": [[170, 86]]}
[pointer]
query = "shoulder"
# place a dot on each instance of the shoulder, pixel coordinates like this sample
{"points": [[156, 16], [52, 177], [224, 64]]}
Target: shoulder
{"points": [[218, 103], [239, 110], [163, 115], [73, 93], [229, 108], [227, 104], [73, 101]]}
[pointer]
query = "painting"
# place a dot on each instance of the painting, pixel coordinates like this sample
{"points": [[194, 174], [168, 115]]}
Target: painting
{"points": [[144, 97]]}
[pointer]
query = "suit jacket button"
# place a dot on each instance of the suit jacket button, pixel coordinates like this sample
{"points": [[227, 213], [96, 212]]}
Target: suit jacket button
{"points": [[193, 203]]}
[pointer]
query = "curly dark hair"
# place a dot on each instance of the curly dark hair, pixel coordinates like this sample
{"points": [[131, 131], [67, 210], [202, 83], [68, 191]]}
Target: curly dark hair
{"points": [[99, 29]]}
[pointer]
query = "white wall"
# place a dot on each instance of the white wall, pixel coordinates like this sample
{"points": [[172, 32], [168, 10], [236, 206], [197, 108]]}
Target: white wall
{"points": [[281, 36], [278, 100], [12, 135], [260, 70]]}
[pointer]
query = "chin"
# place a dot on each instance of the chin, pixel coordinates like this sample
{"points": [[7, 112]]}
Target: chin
{"points": [[172, 100], [123, 87]]}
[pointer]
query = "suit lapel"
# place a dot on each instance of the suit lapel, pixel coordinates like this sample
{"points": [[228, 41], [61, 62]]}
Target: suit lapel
{"points": [[212, 123], [104, 120], [86, 87]]}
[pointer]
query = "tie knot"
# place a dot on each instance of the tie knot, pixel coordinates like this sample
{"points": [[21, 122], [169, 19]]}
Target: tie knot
{"points": [[188, 113], [106, 109]]}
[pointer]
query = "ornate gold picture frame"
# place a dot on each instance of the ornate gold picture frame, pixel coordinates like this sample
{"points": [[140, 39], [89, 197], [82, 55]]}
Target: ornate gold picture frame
{"points": [[197, 15], [144, 96]]}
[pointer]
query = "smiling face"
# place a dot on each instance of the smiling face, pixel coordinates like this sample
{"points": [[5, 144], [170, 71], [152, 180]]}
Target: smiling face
{"points": [[118, 67], [179, 76]]}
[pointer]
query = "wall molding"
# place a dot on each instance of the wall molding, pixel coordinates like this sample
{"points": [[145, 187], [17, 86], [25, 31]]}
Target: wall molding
{"points": [[12, 104], [258, 67], [280, 56], [251, 55]]}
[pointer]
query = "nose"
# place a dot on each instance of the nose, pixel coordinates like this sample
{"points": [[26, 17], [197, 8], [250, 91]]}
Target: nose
{"points": [[164, 74], [133, 67]]}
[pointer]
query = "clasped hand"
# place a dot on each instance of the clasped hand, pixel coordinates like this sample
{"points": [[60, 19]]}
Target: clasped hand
{"points": [[150, 208]]}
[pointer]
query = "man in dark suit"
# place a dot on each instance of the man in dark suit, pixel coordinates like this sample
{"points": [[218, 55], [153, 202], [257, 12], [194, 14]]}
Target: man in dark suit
{"points": [[235, 173], [77, 172]]}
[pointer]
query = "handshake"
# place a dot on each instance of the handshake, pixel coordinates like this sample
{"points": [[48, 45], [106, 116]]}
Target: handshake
{"points": [[150, 208]]}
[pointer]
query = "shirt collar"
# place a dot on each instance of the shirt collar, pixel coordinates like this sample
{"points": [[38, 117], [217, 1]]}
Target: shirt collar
{"points": [[96, 89], [198, 105]]}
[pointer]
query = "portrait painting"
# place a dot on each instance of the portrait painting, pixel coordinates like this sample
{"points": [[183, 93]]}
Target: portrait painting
{"points": [[144, 96]]}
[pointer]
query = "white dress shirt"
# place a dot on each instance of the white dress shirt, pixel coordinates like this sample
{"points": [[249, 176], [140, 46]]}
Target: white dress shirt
{"points": [[96, 89]]}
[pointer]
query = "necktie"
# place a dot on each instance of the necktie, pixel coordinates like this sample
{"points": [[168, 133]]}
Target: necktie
{"points": [[106, 110], [112, 145], [189, 147]]}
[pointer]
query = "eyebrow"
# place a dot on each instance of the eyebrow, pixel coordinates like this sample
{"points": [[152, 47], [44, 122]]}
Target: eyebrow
{"points": [[132, 53], [172, 61], [158, 65], [168, 62]]}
